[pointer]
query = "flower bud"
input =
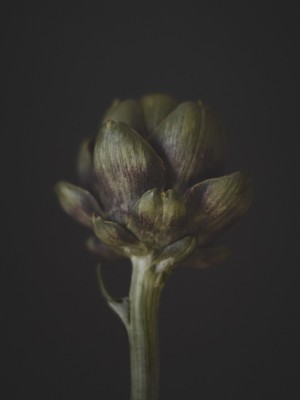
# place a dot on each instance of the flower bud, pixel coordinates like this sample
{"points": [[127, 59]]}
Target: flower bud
{"points": [[153, 182]]}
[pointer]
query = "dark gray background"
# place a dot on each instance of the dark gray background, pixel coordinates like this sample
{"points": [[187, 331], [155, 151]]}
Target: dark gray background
{"points": [[225, 333]]}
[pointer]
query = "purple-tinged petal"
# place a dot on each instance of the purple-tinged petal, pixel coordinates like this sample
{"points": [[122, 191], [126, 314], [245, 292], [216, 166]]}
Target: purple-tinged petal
{"points": [[126, 166], [216, 203], [191, 142], [77, 202]]}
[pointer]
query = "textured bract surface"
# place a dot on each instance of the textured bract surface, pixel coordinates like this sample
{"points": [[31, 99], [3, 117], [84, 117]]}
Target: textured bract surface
{"points": [[152, 182]]}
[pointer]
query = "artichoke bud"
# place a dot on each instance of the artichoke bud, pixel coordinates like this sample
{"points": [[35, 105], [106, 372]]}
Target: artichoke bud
{"points": [[153, 182]]}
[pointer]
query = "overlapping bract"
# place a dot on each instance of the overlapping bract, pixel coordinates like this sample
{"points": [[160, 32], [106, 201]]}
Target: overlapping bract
{"points": [[152, 181]]}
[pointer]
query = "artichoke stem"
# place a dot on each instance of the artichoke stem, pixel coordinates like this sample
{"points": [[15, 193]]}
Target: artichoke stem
{"points": [[145, 289]]}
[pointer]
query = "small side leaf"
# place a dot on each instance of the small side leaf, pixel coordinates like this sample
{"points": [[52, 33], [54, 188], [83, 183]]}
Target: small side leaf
{"points": [[119, 306]]}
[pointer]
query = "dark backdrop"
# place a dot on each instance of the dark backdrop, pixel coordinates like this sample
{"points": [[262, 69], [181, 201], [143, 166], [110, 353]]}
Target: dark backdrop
{"points": [[225, 333]]}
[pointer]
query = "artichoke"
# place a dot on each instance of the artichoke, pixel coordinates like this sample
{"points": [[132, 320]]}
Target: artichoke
{"points": [[152, 182], [153, 190]]}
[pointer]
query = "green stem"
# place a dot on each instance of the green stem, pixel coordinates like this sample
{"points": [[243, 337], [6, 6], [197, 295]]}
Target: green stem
{"points": [[139, 313], [145, 289]]}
